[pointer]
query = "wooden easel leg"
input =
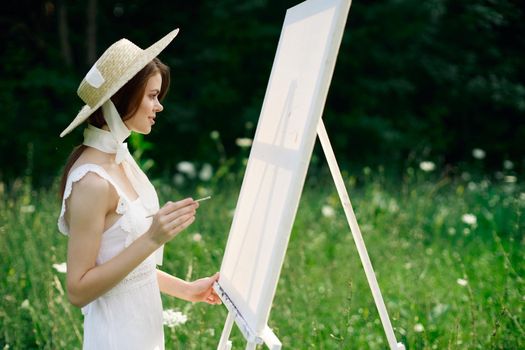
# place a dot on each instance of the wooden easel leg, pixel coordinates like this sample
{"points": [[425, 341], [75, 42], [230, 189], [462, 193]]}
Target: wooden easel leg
{"points": [[224, 343], [358, 238]]}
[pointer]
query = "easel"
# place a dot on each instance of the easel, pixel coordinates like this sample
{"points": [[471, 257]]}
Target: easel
{"points": [[268, 337], [263, 334]]}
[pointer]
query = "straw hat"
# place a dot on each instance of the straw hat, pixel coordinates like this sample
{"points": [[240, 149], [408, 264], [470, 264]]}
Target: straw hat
{"points": [[117, 65]]}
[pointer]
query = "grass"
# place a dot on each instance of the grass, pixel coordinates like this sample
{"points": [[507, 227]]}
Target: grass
{"points": [[447, 284]]}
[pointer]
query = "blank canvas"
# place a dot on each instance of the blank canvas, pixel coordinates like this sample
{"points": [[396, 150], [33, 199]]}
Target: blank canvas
{"points": [[280, 154]]}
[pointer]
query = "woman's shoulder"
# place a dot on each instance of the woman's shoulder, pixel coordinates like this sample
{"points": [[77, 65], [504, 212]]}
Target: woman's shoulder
{"points": [[88, 198], [95, 167], [93, 183], [90, 176], [90, 179]]}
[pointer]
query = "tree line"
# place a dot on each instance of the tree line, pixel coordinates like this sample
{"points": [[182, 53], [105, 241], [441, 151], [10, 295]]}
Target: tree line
{"points": [[415, 79]]}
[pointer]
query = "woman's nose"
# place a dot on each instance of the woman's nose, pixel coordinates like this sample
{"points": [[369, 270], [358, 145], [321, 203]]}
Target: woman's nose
{"points": [[159, 107]]}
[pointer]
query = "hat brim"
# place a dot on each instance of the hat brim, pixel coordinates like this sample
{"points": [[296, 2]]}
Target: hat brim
{"points": [[140, 62]]}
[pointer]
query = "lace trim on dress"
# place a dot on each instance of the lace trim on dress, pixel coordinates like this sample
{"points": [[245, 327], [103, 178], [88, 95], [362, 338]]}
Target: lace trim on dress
{"points": [[76, 175], [143, 274]]}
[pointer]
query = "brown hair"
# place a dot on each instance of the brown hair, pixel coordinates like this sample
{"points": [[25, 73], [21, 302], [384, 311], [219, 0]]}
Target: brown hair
{"points": [[127, 101]]}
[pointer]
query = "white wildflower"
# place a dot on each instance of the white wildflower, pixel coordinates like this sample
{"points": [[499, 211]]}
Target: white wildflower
{"points": [[418, 327], [510, 179], [472, 186], [243, 142], [469, 219], [187, 168], [214, 135], [439, 309], [173, 318], [25, 304], [478, 153], [206, 172], [462, 282], [197, 237], [178, 179], [27, 209], [522, 196], [328, 211], [427, 166], [62, 268], [508, 165], [451, 231]]}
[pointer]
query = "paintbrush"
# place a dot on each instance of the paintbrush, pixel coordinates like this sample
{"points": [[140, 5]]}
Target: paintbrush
{"points": [[197, 200]]}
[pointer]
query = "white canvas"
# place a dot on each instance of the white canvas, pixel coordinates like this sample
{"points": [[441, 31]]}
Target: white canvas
{"points": [[280, 155]]}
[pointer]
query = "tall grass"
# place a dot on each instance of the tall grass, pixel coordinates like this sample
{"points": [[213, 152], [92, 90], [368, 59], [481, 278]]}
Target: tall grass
{"points": [[448, 282]]}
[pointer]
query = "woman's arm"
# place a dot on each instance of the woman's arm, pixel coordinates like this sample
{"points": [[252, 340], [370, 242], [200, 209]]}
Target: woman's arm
{"points": [[198, 290], [88, 205]]}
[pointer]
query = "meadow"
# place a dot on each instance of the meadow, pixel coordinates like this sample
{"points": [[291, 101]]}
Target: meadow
{"points": [[448, 253]]}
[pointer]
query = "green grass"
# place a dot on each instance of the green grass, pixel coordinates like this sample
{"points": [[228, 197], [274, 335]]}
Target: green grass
{"points": [[421, 250]]}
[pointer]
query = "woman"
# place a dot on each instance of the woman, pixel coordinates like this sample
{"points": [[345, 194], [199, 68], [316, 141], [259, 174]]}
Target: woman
{"points": [[110, 210]]}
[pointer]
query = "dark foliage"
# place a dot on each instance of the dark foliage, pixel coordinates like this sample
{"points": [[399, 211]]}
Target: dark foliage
{"points": [[415, 79]]}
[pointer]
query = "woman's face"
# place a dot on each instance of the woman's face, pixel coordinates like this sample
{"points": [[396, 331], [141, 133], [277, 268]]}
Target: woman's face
{"points": [[144, 118]]}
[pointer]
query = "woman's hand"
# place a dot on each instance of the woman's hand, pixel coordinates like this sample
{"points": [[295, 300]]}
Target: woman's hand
{"points": [[202, 290], [171, 219]]}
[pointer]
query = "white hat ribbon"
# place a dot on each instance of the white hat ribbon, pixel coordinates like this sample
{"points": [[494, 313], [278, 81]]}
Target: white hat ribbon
{"points": [[112, 142], [122, 152]]}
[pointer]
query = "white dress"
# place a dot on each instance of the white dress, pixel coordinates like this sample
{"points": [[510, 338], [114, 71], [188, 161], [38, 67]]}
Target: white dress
{"points": [[129, 316]]}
